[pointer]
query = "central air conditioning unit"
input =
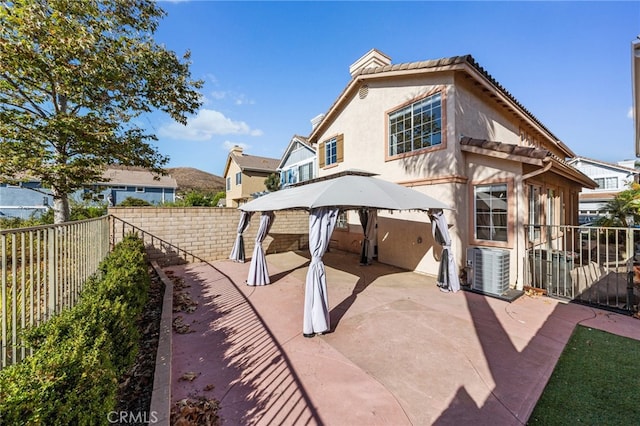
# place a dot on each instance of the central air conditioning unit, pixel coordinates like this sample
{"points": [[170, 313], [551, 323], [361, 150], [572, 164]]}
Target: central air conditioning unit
{"points": [[490, 270]]}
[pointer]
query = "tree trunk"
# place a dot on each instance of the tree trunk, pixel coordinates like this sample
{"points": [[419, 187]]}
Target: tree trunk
{"points": [[61, 210]]}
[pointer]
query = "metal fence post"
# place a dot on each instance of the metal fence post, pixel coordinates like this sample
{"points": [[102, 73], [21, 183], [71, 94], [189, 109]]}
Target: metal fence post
{"points": [[51, 273]]}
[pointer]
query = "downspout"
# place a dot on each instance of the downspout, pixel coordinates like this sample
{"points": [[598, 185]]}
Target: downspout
{"points": [[539, 171], [529, 175]]}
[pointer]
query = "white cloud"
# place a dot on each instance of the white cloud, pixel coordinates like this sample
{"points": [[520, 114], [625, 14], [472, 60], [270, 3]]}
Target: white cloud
{"points": [[205, 125], [630, 112]]}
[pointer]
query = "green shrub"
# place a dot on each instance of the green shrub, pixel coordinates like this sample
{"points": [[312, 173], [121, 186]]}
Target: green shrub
{"points": [[79, 354], [134, 202]]}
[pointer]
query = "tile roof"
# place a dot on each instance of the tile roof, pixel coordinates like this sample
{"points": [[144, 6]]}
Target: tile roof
{"points": [[253, 162], [434, 65], [525, 151], [531, 152]]}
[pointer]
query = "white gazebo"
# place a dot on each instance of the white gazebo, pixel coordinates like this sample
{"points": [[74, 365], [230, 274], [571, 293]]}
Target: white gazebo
{"points": [[324, 198]]}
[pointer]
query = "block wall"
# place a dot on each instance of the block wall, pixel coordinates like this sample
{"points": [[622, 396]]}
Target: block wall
{"points": [[207, 233]]}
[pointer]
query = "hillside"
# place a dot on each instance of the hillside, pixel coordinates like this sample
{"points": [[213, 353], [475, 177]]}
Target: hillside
{"points": [[189, 179]]}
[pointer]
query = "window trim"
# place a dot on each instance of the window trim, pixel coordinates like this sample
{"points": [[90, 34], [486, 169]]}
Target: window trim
{"points": [[321, 152], [443, 134], [331, 142], [606, 179], [534, 234], [511, 199]]}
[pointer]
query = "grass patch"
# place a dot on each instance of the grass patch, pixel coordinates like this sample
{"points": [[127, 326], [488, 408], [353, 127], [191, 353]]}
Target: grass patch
{"points": [[596, 382]]}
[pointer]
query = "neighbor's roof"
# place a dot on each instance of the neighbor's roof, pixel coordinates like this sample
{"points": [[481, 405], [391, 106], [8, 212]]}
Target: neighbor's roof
{"points": [[465, 62], [255, 163], [303, 140], [135, 176], [605, 164]]}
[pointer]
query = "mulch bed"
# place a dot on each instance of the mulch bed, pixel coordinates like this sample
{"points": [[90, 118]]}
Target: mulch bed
{"points": [[136, 385]]}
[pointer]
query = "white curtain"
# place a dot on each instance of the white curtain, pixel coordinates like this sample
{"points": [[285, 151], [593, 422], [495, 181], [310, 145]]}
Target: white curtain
{"points": [[237, 252], [258, 272], [368, 219], [316, 304], [448, 279]]}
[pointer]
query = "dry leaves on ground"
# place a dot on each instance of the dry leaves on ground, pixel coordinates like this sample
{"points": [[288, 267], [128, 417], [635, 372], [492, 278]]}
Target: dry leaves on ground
{"points": [[180, 327], [198, 411]]}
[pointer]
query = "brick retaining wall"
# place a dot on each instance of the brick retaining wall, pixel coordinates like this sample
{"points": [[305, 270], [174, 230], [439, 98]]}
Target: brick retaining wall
{"points": [[209, 232]]}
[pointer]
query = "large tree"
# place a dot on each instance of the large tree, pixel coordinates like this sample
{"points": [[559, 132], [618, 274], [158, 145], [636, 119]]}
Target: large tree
{"points": [[74, 74]]}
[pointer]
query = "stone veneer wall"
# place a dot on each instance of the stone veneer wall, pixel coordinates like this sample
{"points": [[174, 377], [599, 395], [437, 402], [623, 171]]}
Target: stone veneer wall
{"points": [[206, 232]]}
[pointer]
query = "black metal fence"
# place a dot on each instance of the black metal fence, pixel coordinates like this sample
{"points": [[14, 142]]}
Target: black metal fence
{"points": [[593, 265]]}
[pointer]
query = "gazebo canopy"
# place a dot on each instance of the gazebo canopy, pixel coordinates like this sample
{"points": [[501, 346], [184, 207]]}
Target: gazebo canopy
{"points": [[345, 192]]}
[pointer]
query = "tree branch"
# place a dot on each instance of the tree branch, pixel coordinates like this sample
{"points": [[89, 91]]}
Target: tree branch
{"points": [[20, 107], [41, 112]]}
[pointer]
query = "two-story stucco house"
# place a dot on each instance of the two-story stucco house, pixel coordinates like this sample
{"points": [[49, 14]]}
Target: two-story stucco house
{"points": [[610, 178], [298, 163], [447, 128], [245, 175]]}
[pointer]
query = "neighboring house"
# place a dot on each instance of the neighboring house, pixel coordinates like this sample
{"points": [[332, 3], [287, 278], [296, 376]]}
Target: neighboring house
{"points": [[448, 129], [121, 182], [24, 199], [28, 198], [298, 163], [245, 175], [610, 178]]}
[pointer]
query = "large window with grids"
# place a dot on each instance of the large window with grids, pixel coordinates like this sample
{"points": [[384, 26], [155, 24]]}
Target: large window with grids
{"points": [[490, 211], [416, 126]]}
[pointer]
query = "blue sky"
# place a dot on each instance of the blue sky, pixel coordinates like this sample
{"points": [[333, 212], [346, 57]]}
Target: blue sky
{"points": [[270, 67]]}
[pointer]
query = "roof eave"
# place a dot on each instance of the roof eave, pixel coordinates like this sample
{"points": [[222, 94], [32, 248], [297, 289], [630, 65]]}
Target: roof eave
{"points": [[502, 155], [568, 171]]}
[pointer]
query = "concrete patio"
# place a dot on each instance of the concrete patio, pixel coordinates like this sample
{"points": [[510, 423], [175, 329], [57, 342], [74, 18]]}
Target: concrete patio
{"points": [[401, 352]]}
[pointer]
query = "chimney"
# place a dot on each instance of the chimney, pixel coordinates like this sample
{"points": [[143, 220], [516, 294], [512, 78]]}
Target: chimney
{"points": [[237, 149], [316, 120], [372, 59]]}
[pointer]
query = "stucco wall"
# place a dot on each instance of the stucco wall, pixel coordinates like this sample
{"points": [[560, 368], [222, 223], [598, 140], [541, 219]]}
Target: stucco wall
{"points": [[443, 172], [208, 232], [252, 182], [404, 239]]}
